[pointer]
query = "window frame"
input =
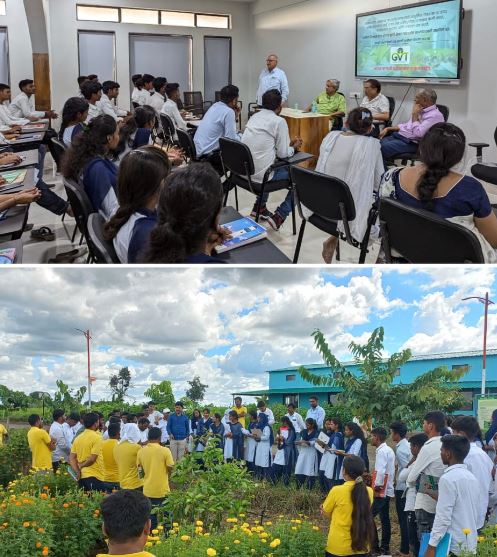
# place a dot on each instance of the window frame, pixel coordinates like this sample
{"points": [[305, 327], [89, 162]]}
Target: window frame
{"points": [[293, 398], [194, 26], [6, 29], [4, 4], [227, 16], [157, 13], [99, 6], [291, 377], [114, 69]]}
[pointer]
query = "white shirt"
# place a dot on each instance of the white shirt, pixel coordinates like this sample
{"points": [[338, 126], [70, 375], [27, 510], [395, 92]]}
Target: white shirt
{"points": [[385, 465], [402, 458], [317, 414], [377, 105], [108, 107], [62, 448], [457, 508], [93, 111], [428, 462], [162, 425], [8, 120], [155, 417], [410, 494], [171, 109], [140, 97], [144, 436], [268, 138], [156, 101], [275, 79], [23, 106], [75, 428], [269, 414], [297, 421], [481, 467]]}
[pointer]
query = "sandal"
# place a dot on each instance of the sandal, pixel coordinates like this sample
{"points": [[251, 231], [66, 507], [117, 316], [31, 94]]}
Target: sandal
{"points": [[43, 233]]}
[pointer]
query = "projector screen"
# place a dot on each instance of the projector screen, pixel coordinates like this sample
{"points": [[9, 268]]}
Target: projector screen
{"points": [[419, 42]]}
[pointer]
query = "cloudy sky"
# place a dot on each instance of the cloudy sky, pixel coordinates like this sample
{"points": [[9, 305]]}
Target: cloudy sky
{"points": [[229, 326]]}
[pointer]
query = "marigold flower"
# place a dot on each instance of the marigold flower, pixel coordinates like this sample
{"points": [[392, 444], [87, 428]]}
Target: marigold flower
{"points": [[185, 538], [199, 523], [65, 505], [149, 544], [466, 531], [38, 545], [275, 543], [25, 524], [155, 531], [45, 551], [315, 528], [41, 530], [211, 552], [236, 542], [175, 524]]}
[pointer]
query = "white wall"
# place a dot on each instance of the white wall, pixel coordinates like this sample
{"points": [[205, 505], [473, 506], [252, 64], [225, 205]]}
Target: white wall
{"points": [[315, 40]]}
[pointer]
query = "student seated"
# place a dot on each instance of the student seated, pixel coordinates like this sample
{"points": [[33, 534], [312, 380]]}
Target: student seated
{"points": [[92, 92], [158, 98], [7, 121], [74, 114], [23, 106], [8, 200], [434, 186], [148, 86], [330, 102], [170, 107], [354, 157], [87, 160], [81, 79], [136, 132], [130, 227], [110, 92], [378, 104], [126, 523], [188, 217]]}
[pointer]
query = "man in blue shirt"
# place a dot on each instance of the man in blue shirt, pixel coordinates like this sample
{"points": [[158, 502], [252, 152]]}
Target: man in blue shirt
{"points": [[178, 428], [316, 412], [219, 121], [272, 78]]}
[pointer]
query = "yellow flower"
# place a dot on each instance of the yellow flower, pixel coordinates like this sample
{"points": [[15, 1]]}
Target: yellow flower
{"points": [[236, 542], [155, 531], [25, 524], [263, 535], [149, 544], [294, 527], [481, 538], [242, 515], [45, 551], [184, 538], [206, 535], [211, 552], [275, 543], [263, 540], [269, 523], [160, 527], [466, 531], [175, 524], [199, 523], [316, 528]]}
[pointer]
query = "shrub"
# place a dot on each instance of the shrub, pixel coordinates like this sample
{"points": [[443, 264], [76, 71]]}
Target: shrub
{"points": [[15, 456]]}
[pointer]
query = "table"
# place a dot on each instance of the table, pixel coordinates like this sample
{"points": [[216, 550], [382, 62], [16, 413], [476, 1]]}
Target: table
{"points": [[312, 128], [15, 222], [34, 127], [30, 158], [17, 245], [28, 183], [27, 138], [263, 251]]}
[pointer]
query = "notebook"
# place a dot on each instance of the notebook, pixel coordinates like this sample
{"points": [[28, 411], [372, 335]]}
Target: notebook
{"points": [[427, 484], [244, 231], [325, 439], [443, 547], [7, 256], [14, 177]]}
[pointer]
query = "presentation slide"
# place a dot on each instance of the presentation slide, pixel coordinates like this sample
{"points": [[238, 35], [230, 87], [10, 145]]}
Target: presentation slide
{"points": [[415, 42]]}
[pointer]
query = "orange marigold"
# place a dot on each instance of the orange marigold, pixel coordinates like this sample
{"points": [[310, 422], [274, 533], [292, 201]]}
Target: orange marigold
{"points": [[25, 524]]}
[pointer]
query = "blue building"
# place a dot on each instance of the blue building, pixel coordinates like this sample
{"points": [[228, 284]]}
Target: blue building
{"points": [[286, 385]]}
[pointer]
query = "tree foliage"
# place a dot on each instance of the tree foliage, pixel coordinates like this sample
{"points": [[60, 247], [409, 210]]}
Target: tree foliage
{"points": [[197, 389], [371, 393], [68, 398], [162, 394], [13, 399], [119, 384]]}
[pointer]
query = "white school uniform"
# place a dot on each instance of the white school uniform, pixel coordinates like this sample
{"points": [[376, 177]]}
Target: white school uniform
{"points": [[263, 456], [144, 436], [250, 447], [307, 461], [228, 444], [355, 450], [162, 425], [107, 106]]}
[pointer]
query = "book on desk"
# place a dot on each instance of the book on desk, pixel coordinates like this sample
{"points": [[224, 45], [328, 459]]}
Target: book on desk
{"points": [[7, 256], [243, 231]]}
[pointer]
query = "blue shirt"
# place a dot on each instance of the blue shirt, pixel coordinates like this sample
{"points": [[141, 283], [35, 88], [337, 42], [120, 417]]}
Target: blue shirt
{"points": [[178, 426], [275, 79], [99, 182], [133, 237], [219, 121]]}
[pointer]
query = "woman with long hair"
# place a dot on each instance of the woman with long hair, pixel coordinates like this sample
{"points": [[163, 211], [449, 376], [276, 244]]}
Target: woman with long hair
{"points": [[286, 455], [331, 462], [356, 444], [435, 186], [352, 527], [136, 132], [133, 222], [87, 160], [306, 468], [74, 114], [188, 213]]}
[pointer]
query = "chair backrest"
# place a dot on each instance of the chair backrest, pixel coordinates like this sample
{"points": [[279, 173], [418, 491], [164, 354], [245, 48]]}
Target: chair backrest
{"points": [[217, 96], [423, 237], [495, 136], [58, 151], [187, 144], [168, 127], [485, 173], [80, 205], [391, 105], [323, 194], [444, 110], [236, 157], [101, 250], [135, 105]]}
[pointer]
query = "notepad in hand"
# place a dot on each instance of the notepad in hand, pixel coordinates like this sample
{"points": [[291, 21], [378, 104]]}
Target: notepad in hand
{"points": [[7, 256], [443, 548], [325, 440], [244, 231]]}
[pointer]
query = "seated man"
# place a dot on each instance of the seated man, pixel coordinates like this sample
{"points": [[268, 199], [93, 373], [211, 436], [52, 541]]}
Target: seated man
{"points": [[170, 107], [23, 106], [377, 103], [139, 96], [158, 99], [330, 102], [405, 137], [92, 92], [81, 79], [110, 92], [7, 121], [268, 138], [219, 121]]}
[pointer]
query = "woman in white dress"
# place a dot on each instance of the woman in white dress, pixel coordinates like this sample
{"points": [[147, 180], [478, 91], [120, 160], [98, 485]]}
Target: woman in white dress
{"points": [[263, 456], [306, 469], [251, 444]]}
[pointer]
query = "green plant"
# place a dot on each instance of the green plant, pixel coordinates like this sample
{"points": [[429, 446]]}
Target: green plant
{"points": [[162, 394], [67, 398], [15, 456], [487, 544], [120, 383], [197, 389]]}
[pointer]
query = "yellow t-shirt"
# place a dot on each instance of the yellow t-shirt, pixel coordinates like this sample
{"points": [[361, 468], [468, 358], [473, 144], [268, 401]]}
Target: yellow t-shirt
{"points": [[39, 441], [86, 444], [241, 410], [141, 554], [338, 504], [154, 460], [3, 431], [125, 455], [111, 472]]}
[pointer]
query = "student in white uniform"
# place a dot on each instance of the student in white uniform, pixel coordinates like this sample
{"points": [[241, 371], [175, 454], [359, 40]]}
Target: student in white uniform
{"points": [[162, 425], [263, 455], [306, 469], [23, 106], [170, 108], [286, 455], [251, 444], [62, 448], [355, 444], [8, 121], [295, 418], [139, 96], [110, 92], [158, 99], [92, 92], [143, 426], [233, 438], [81, 79], [325, 458], [334, 465]]}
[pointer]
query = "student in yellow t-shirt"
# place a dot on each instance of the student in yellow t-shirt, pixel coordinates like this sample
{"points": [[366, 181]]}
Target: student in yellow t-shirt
{"points": [[86, 455], [3, 433], [111, 471], [125, 455], [40, 443], [126, 517], [157, 464], [240, 410], [349, 506]]}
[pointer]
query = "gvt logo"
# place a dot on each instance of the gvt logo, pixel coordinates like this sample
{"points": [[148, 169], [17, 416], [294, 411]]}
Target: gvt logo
{"points": [[400, 55]]}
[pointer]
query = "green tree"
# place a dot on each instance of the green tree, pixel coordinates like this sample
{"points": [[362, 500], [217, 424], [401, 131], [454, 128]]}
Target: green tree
{"points": [[67, 398], [197, 389], [162, 394], [13, 399], [372, 395], [119, 384]]}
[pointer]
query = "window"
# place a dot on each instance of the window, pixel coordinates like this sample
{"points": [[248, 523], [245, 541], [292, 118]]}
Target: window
{"points": [[215, 21], [290, 377], [468, 401], [3, 9], [291, 399], [178, 19], [4, 56], [461, 367], [97, 54], [132, 15], [397, 372], [96, 13], [217, 65]]}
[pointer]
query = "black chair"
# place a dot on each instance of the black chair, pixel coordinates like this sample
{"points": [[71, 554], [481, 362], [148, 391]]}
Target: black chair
{"points": [[168, 130], [480, 146], [252, 109], [101, 250], [237, 159], [187, 145], [330, 201], [81, 207], [391, 107], [338, 120], [421, 236], [58, 152], [195, 103]]}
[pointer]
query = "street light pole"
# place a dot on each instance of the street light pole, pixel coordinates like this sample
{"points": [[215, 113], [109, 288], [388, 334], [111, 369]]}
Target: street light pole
{"points": [[87, 335]]}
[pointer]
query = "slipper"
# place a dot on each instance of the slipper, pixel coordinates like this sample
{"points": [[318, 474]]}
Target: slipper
{"points": [[43, 233], [62, 260]]}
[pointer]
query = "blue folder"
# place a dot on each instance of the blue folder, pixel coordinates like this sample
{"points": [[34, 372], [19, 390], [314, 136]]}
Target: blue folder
{"points": [[443, 547]]}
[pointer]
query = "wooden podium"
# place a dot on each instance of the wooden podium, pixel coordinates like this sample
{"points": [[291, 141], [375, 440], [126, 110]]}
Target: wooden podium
{"points": [[312, 128]]}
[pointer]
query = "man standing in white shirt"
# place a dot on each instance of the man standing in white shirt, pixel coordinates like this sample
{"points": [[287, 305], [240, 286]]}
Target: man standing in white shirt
{"points": [[457, 508], [154, 415], [23, 106], [295, 418], [383, 479], [162, 425], [110, 92], [403, 456], [57, 433], [74, 423], [272, 77], [261, 407], [477, 461], [158, 99], [170, 107], [92, 92], [428, 463], [316, 412]]}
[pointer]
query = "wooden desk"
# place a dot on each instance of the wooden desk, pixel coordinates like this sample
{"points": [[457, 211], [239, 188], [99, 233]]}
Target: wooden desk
{"points": [[312, 128]]}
